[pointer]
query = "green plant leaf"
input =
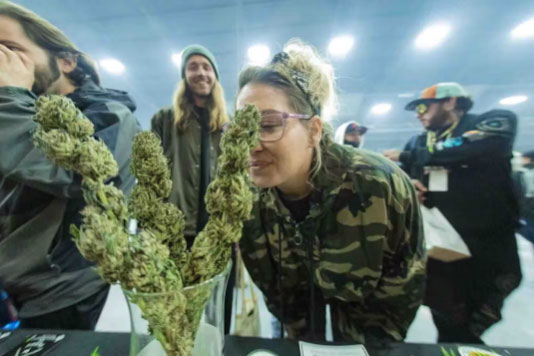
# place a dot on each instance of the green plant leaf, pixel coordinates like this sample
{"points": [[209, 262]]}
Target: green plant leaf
{"points": [[95, 352]]}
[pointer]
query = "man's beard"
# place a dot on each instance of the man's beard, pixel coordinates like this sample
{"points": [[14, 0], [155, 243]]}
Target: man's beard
{"points": [[45, 76], [202, 94], [439, 120]]}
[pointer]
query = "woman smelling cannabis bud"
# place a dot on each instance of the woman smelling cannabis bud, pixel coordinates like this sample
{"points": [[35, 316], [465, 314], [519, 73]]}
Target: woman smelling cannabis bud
{"points": [[331, 225]]}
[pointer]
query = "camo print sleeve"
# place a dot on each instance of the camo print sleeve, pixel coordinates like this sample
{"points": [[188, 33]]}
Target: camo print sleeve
{"points": [[389, 306], [368, 256], [261, 254]]}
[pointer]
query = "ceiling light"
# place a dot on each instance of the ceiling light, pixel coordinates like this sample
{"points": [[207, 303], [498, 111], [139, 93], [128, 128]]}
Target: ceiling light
{"points": [[381, 109], [259, 54], [112, 66], [513, 100], [524, 30], [340, 46], [177, 59], [432, 36]]}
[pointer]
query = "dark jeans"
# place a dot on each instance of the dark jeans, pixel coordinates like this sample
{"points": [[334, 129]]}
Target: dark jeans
{"points": [[81, 316], [453, 326], [466, 296], [448, 301]]}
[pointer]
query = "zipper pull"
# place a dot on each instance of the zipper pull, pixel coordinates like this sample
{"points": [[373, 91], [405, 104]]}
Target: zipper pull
{"points": [[297, 239]]}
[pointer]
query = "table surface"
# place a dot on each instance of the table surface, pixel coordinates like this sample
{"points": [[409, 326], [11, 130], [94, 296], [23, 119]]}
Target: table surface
{"points": [[82, 343]]}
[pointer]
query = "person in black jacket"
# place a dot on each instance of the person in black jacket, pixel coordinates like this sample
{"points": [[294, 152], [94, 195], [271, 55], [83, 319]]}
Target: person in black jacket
{"points": [[51, 284], [524, 178], [461, 165]]}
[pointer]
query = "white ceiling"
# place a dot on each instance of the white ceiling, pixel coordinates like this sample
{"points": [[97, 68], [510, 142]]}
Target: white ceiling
{"points": [[478, 53]]}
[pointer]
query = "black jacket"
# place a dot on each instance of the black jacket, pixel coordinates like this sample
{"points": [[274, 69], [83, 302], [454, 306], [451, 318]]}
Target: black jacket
{"points": [[477, 156], [40, 266]]}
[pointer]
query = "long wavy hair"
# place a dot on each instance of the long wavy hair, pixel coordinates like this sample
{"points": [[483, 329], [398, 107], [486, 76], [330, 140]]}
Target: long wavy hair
{"points": [[52, 40], [183, 105]]}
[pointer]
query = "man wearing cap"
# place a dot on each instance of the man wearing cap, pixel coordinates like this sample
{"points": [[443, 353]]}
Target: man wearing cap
{"points": [[350, 133], [461, 165], [190, 131]]}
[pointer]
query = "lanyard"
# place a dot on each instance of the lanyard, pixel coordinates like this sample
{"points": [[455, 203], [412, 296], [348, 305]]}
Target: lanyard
{"points": [[432, 137]]}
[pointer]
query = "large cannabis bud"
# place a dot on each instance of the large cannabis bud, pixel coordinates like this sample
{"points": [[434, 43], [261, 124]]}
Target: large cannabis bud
{"points": [[147, 201], [155, 260], [65, 136], [228, 199], [166, 313]]}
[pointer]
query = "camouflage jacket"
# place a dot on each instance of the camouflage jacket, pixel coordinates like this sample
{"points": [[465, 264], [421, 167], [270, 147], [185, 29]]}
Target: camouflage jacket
{"points": [[364, 233]]}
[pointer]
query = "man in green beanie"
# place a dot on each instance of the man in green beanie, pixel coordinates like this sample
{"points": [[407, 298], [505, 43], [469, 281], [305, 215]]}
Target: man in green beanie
{"points": [[190, 131]]}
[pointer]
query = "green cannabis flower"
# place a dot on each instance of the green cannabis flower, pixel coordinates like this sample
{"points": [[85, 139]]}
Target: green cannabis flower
{"points": [[228, 199], [58, 112], [147, 201], [153, 266], [65, 136]]}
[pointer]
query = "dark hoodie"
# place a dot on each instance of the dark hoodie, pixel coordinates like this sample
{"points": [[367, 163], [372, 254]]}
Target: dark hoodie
{"points": [[480, 193], [40, 267], [481, 204]]}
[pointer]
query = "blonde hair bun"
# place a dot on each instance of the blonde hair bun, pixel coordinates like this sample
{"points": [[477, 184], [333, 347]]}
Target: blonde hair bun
{"points": [[305, 59]]}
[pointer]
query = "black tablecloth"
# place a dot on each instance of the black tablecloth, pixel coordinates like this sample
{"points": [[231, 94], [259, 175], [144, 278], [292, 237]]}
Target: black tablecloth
{"points": [[242, 346], [76, 343], [82, 343]]}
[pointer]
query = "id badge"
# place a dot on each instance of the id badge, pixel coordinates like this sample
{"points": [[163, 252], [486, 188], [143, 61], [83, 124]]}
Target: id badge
{"points": [[438, 180]]}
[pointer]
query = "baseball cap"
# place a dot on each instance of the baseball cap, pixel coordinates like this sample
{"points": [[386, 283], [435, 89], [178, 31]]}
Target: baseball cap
{"points": [[354, 126], [442, 91]]}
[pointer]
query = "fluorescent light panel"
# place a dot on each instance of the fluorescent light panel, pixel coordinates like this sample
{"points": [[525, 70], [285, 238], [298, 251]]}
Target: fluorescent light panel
{"points": [[259, 54], [177, 59], [524, 30], [112, 66], [381, 109], [513, 100], [341, 45], [432, 36]]}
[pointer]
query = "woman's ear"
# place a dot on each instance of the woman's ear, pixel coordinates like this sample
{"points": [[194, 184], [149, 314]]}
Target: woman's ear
{"points": [[315, 130]]}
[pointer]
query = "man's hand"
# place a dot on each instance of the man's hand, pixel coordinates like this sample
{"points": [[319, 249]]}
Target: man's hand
{"points": [[16, 69], [421, 190], [393, 155]]}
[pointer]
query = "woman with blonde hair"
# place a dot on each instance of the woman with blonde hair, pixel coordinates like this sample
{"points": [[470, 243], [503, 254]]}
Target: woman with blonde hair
{"points": [[330, 225]]}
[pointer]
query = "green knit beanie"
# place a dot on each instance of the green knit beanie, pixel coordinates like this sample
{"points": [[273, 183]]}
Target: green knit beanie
{"points": [[201, 50]]}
